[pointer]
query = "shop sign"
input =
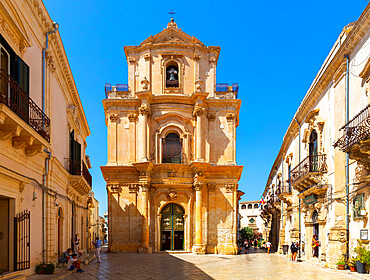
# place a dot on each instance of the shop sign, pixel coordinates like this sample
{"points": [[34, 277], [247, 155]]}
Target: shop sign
{"points": [[310, 200]]}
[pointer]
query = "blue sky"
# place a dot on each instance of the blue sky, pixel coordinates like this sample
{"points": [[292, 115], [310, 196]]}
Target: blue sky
{"points": [[273, 49]]}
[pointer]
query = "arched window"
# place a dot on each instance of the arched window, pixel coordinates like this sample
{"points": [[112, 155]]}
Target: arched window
{"points": [[172, 148], [250, 206], [255, 206], [172, 75], [313, 151], [244, 206]]}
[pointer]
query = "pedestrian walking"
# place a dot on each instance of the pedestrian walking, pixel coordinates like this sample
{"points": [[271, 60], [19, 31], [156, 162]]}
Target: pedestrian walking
{"points": [[76, 248], [246, 245], [97, 245], [268, 244], [294, 250]]}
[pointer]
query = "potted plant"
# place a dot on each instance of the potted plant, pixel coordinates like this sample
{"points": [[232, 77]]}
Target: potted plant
{"points": [[45, 268], [341, 263], [363, 257], [352, 264]]}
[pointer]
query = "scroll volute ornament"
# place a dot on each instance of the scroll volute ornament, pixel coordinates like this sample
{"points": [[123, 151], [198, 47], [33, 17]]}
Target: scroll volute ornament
{"points": [[113, 117], [198, 85], [198, 186], [132, 117], [230, 117], [198, 111], [144, 109]]}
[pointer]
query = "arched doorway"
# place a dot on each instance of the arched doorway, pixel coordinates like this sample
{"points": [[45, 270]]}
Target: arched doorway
{"points": [[315, 224], [60, 231], [172, 227]]}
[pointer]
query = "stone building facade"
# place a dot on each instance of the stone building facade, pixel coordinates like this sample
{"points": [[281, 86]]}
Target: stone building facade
{"points": [[171, 173], [310, 171], [44, 177], [250, 216]]}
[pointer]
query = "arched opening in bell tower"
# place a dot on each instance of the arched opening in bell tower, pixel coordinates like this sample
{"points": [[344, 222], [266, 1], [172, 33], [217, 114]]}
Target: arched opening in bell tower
{"points": [[172, 75]]}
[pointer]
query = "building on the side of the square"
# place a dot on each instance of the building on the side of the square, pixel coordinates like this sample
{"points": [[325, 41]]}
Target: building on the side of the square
{"points": [[172, 177], [306, 188], [94, 219], [44, 177], [250, 216]]}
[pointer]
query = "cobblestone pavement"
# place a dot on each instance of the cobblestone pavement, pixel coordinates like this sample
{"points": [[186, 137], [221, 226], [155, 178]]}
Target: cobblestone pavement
{"points": [[189, 266]]}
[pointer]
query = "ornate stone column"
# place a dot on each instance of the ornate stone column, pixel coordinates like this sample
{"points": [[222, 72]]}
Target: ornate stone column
{"points": [[198, 114], [199, 247], [145, 222], [144, 111]]}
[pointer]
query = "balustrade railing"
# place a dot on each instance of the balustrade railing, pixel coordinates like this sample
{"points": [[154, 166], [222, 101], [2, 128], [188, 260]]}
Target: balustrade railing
{"points": [[20, 103], [78, 167], [283, 189], [311, 164], [355, 130]]}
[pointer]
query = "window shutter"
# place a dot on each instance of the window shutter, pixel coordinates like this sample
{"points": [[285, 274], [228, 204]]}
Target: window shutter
{"points": [[23, 76]]}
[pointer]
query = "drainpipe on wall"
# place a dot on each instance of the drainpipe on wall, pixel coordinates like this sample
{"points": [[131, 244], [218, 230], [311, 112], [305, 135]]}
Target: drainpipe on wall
{"points": [[299, 200], [282, 203], [56, 26], [44, 206], [347, 160]]}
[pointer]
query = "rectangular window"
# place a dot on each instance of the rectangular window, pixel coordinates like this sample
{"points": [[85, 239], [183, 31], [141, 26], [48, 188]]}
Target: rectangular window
{"points": [[358, 205]]}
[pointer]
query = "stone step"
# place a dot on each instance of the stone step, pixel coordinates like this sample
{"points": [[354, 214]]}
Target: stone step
{"points": [[17, 275]]}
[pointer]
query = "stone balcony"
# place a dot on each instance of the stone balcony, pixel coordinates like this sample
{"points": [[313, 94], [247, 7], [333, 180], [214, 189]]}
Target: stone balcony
{"points": [[284, 192], [224, 91], [21, 120], [356, 137], [308, 172], [80, 177], [119, 91]]}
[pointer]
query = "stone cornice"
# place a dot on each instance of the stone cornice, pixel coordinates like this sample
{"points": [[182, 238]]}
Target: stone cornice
{"points": [[62, 64]]}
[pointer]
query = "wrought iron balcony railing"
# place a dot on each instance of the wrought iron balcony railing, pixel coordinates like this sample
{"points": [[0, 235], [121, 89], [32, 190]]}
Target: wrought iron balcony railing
{"points": [[283, 189], [356, 130], [78, 167], [310, 165], [13, 96]]}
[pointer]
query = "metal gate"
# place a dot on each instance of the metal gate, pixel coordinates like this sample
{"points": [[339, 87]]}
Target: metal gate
{"points": [[22, 240]]}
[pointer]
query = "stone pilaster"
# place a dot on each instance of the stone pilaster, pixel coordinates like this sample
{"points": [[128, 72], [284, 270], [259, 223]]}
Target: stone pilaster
{"points": [[199, 247], [144, 112], [198, 114]]}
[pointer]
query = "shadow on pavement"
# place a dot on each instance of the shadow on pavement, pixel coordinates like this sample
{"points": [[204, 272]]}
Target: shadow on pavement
{"points": [[257, 251]]}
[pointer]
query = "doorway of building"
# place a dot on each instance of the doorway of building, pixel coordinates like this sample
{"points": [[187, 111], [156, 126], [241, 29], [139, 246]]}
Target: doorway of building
{"points": [[4, 233], [315, 231], [60, 231], [172, 227]]}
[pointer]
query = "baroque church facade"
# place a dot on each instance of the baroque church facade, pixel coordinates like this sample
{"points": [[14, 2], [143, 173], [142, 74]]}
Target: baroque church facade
{"points": [[172, 177]]}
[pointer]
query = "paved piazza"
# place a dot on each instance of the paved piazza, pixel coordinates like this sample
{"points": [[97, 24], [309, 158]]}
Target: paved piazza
{"points": [[189, 266]]}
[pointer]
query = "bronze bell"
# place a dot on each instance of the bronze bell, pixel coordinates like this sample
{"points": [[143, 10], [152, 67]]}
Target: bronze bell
{"points": [[172, 77]]}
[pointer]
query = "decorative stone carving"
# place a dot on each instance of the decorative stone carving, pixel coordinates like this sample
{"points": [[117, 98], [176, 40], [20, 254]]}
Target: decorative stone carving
{"points": [[198, 186], [198, 111], [132, 188], [113, 117], [147, 57], [144, 109], [132, 117], [211, 117], [230, 117], [171, 194], [145, 187], [21, 142], [198, 85], [131, 59], [230, 188], [114, 188], [145, 84], [196, 56]]}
